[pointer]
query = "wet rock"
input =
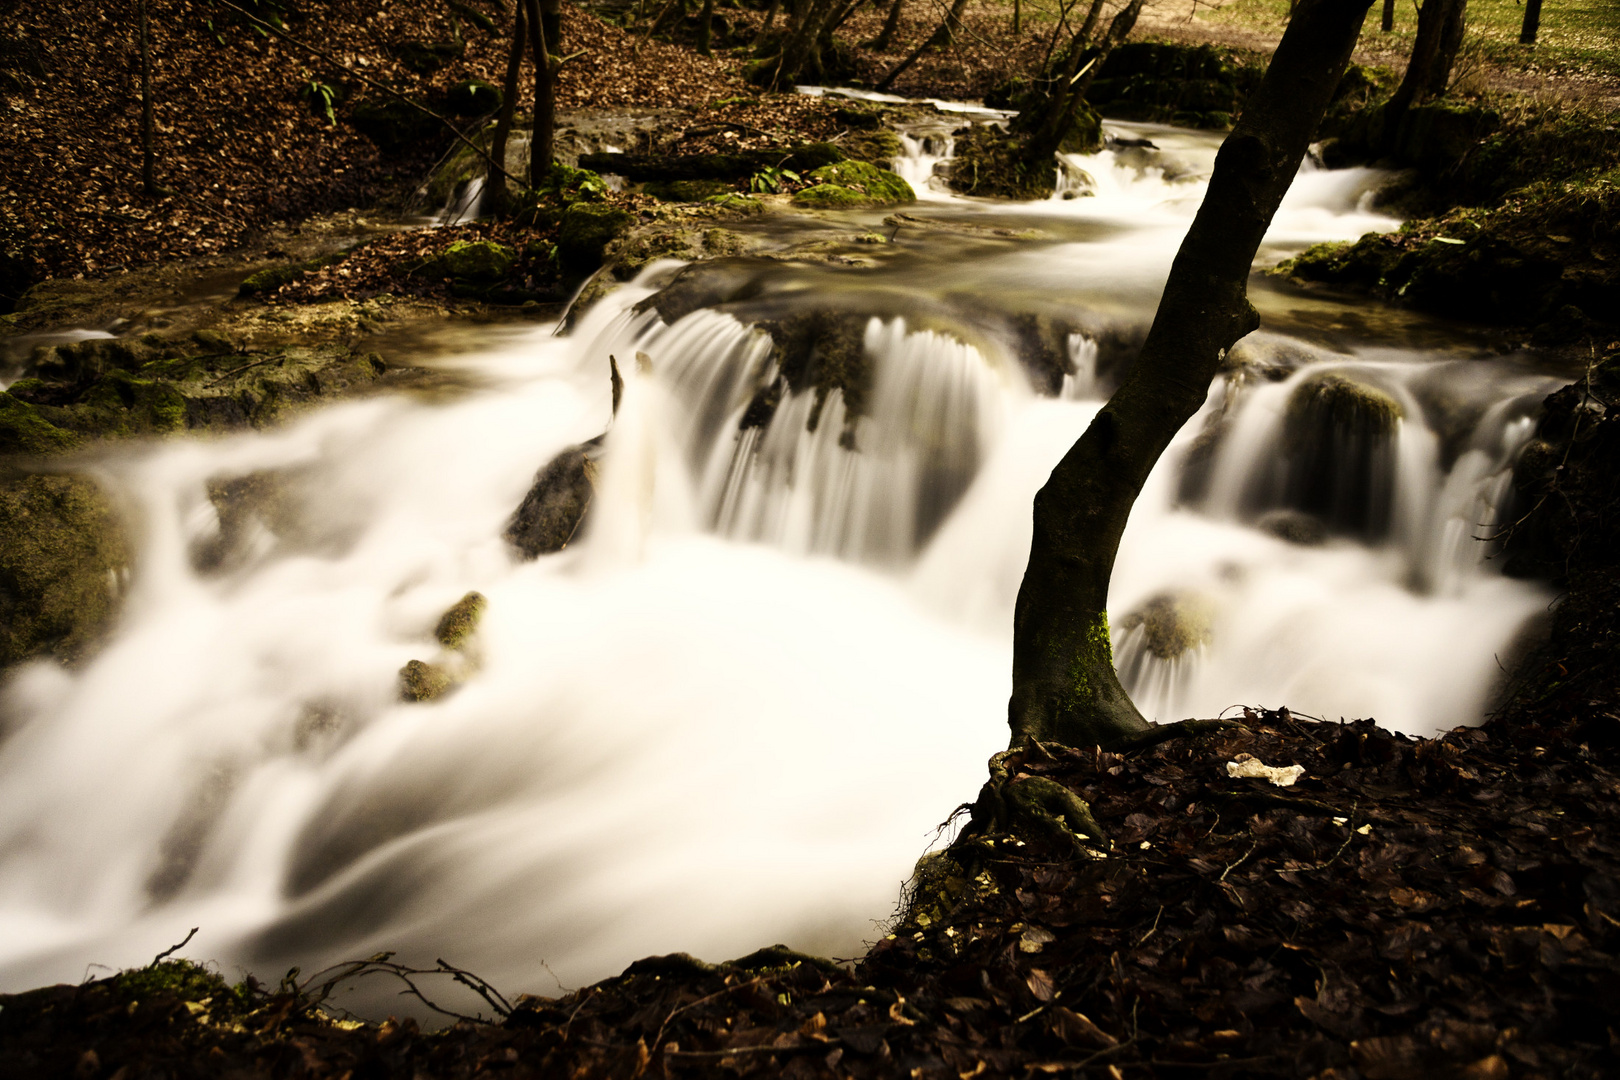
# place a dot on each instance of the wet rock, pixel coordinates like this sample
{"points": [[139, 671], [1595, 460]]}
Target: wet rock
{"points": [[640, 168], [421, 681], [553, 511], [854, 184], [1171, 624], [63, 557], [473, 97], [687, 190], [1293, 526], [880, 148], [1338, 449], [459, 623], [992, 162], [586, 231]]}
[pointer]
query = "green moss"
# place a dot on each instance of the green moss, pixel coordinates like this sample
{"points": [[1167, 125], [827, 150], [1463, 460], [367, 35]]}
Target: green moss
{"points": [[878, 147], [270, 279], [179, 979], [1334, 401], [852, 184], [24, 431], [62, 551], [1097, 649], [995, 163], [459, 623], [480, 261]]}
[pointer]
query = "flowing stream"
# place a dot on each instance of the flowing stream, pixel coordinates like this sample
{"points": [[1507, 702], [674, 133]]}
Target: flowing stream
{"points": [[733, 711]]}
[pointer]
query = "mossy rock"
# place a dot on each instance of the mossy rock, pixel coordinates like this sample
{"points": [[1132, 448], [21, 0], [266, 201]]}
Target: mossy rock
{"points": [[24, 431], [459, 623], [995, 163], [879, 148], [1294, 526], [481, 261], [1172, 624], [421, 681], [687, 190], [473, 97], [586, 231], [63, 552], [392, 124], [1335, 401], [426, 57], [271, 278], [854, 184]]}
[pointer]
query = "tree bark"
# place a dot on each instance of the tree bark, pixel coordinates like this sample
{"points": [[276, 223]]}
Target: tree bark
{"points": [[1081, 70], [545, 26], [1064, 685], [1532, 22], [1434, 50], [801, 52], [148, 125], [1387, 23], [495, 192]]}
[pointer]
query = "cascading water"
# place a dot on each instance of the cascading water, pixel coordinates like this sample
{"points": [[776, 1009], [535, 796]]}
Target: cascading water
{"points": [[731, 712]]}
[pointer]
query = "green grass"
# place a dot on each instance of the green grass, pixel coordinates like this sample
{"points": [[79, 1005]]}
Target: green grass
{"points": [[1576, 36]]}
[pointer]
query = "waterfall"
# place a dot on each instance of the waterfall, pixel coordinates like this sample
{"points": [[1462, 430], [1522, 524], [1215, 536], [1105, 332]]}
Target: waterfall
{"points": [[733, 709]]}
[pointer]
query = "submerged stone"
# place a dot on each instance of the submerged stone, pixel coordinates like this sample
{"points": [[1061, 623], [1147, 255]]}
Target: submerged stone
{"points": [[1172, 624]]}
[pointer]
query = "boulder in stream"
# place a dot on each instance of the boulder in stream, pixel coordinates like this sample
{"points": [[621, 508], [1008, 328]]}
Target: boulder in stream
{"points": [[852, 185], [422, 681], [554, 509], [1338, 445], [457, 625], [63, 557], [1171, 624]]}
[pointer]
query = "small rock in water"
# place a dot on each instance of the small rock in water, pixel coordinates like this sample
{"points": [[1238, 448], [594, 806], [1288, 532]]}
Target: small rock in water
{"points": [[1294, 526], [457, 624], [420, 681]]}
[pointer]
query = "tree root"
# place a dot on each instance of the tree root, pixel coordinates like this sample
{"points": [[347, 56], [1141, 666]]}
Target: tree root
{"points": [[1159, 733], [1020, 804]]}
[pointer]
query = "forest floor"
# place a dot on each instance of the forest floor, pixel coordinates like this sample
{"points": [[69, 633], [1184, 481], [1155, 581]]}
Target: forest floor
{"points": [[1410, 908]]}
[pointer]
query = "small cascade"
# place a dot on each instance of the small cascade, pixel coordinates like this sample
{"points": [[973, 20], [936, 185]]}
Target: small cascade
{"points": [[464, 203], [1081, 384], [924, 162]]}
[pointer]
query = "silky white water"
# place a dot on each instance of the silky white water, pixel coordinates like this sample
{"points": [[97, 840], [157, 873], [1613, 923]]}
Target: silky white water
{"points": [[732, 712]]}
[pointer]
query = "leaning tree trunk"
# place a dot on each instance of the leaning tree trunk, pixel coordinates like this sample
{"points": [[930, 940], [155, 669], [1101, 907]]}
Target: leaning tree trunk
{"points": [[1532, 22], [1064, 685], [495, 193], [1434, 50], [148, 137]]}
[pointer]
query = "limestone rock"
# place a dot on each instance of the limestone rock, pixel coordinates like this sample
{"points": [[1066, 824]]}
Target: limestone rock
{"points": [[554, 509]]}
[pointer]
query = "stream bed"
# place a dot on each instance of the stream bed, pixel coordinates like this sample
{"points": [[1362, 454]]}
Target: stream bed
{"points": [[735, 709]]}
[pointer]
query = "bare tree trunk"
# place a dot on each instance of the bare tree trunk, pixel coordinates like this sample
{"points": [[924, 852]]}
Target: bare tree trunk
{"points": [[1018, 26], [148, 126], [1387, 24], [891, 26], [1434, 50], [542, 143], [495, 191], [1064, 685], [801, 52], [1532, 22]]}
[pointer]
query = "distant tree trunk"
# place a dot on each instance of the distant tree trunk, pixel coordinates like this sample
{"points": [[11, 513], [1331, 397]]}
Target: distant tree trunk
{"points": [[1017, 19], [1434, 50], [1532, 22], [148, 126], [706, 27], [891, 26], [801, 52], [770, 15], [940, 37], [495, 193], [1064, 686], [1387, 24]]}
